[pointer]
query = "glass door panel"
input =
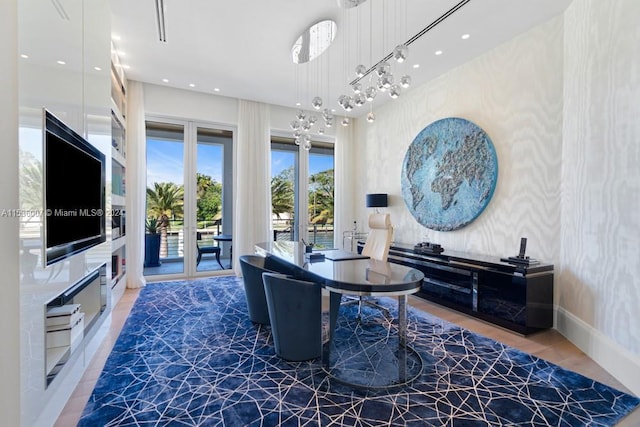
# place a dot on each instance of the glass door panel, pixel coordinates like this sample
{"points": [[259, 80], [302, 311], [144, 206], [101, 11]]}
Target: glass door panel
{"points": [[321, 195], [213, 214], [284, 188], [164, 234]]}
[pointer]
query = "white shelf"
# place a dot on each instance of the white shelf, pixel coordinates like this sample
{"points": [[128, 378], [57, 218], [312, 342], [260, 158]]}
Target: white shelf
{"points": [[55, 355], [117, 200], [116, 111], [118, 157], [117, 243], [117, 280]]}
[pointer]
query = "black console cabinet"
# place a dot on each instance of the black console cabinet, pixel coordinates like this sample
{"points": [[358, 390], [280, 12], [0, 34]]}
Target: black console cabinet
{"points": [[515, 297]]}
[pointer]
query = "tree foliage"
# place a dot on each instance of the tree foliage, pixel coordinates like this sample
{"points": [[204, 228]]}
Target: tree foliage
{"points": [[209, 198], [321, 197], [282, 193], [165, 198]]}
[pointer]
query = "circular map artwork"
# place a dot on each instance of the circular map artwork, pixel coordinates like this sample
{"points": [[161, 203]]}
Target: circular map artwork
{"points": [[449, 174]]}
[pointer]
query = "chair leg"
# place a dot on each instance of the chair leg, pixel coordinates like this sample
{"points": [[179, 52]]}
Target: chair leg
{"points": [[199, 258], [218, 259], [362, 301]]}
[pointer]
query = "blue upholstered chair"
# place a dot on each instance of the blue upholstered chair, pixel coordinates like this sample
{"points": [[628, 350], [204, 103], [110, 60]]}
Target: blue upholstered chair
{"points": [[252, 268], [295, 311]]}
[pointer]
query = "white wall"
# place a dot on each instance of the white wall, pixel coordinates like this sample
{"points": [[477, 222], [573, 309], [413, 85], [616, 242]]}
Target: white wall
{"points": [[599, 295], [9, 261], [196, 106]]}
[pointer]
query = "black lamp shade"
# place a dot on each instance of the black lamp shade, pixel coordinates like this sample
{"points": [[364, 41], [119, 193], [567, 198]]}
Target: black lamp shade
{"points": [[377, 200]]}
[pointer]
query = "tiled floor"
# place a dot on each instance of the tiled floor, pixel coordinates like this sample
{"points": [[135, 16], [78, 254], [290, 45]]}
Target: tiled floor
{"points": [[549, 345]]}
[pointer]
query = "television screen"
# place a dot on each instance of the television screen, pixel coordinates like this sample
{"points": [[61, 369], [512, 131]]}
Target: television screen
{"points": [[74, 187]]}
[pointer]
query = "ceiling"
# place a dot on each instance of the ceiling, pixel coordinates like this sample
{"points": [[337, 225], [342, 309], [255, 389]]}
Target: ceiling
{"points": [[242, 48]]}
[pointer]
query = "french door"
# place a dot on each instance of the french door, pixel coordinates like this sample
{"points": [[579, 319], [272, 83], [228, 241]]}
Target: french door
{"points": [[302, 191], [189, 197]]}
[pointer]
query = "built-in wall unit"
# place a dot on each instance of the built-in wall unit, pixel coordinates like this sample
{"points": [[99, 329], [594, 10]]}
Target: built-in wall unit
{"points": [[65, 161], [118, 176]]}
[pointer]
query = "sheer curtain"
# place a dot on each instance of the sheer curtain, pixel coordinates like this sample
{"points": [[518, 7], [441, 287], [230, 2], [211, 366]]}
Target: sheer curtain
{"points": [[344, 213], [136, 185], [252, 205]]}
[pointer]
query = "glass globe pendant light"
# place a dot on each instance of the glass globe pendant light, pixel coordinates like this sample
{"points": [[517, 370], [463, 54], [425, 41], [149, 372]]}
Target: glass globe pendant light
{"points": [[306, 142], [371, 117], [400, 53], [405, 81], [360, 70], [316, 102], [370, 93], [394, 91], [383, 68]]}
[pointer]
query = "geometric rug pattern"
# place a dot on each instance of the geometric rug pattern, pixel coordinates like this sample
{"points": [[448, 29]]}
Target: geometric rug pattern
{"points": [[189, 356]]}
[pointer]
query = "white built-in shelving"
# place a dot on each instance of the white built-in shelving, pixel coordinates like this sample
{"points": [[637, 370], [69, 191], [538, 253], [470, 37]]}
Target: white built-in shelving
{"points": [[118, 174]]}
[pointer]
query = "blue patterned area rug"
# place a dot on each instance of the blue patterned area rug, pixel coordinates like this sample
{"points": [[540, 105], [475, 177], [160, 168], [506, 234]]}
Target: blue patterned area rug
{"points": [[189, 356]]}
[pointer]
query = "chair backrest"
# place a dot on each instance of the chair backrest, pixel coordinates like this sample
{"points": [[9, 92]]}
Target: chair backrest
{"points": [[295, 314], [252, 267], [379, 239]]}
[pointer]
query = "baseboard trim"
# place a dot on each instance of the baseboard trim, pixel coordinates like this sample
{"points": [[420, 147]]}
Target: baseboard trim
{"points": [[616, 360]]}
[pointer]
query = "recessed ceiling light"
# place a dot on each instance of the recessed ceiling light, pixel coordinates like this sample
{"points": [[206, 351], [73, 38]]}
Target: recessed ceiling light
{"points": [[416, 65], [298, 104], [121, 53], [465, 36], [24, 56], [216, 89], [126, 67], [192, 85], [61, 62], [115, 37], [97, 68], [165, 80], [438, 52]]}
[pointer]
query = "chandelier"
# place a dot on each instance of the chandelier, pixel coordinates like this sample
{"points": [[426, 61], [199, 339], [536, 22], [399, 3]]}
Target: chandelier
{"points": [[309, 46]]}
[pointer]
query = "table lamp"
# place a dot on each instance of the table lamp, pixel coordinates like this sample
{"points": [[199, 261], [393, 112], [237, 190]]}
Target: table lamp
{"points": [[377, 200]]}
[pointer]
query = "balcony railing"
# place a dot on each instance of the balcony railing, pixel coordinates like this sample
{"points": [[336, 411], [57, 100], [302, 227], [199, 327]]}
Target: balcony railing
{"points": [[320, 236]]}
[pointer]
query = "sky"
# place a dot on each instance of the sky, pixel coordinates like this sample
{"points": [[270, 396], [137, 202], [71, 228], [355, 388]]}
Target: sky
{"points": [[165, 161]]}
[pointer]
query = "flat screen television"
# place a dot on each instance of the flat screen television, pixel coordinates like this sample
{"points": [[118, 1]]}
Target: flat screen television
{"points": [[74, 192]]}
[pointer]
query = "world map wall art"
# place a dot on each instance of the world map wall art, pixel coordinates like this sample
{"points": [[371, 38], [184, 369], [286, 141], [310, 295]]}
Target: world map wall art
{"points": [[449, 174]]}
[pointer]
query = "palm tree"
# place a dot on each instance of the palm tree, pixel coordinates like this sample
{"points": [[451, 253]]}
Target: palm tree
{"points": [[165, 201], [282, 193], [321, 197]]}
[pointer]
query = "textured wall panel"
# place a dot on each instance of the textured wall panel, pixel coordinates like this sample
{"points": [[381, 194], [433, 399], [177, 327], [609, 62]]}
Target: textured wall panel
{"points": [[601, 168], [514, 93]]}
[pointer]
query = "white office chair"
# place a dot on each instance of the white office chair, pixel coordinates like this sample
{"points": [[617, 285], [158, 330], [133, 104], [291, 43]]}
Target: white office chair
{"points": [[376, 247], [379, 238]]}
